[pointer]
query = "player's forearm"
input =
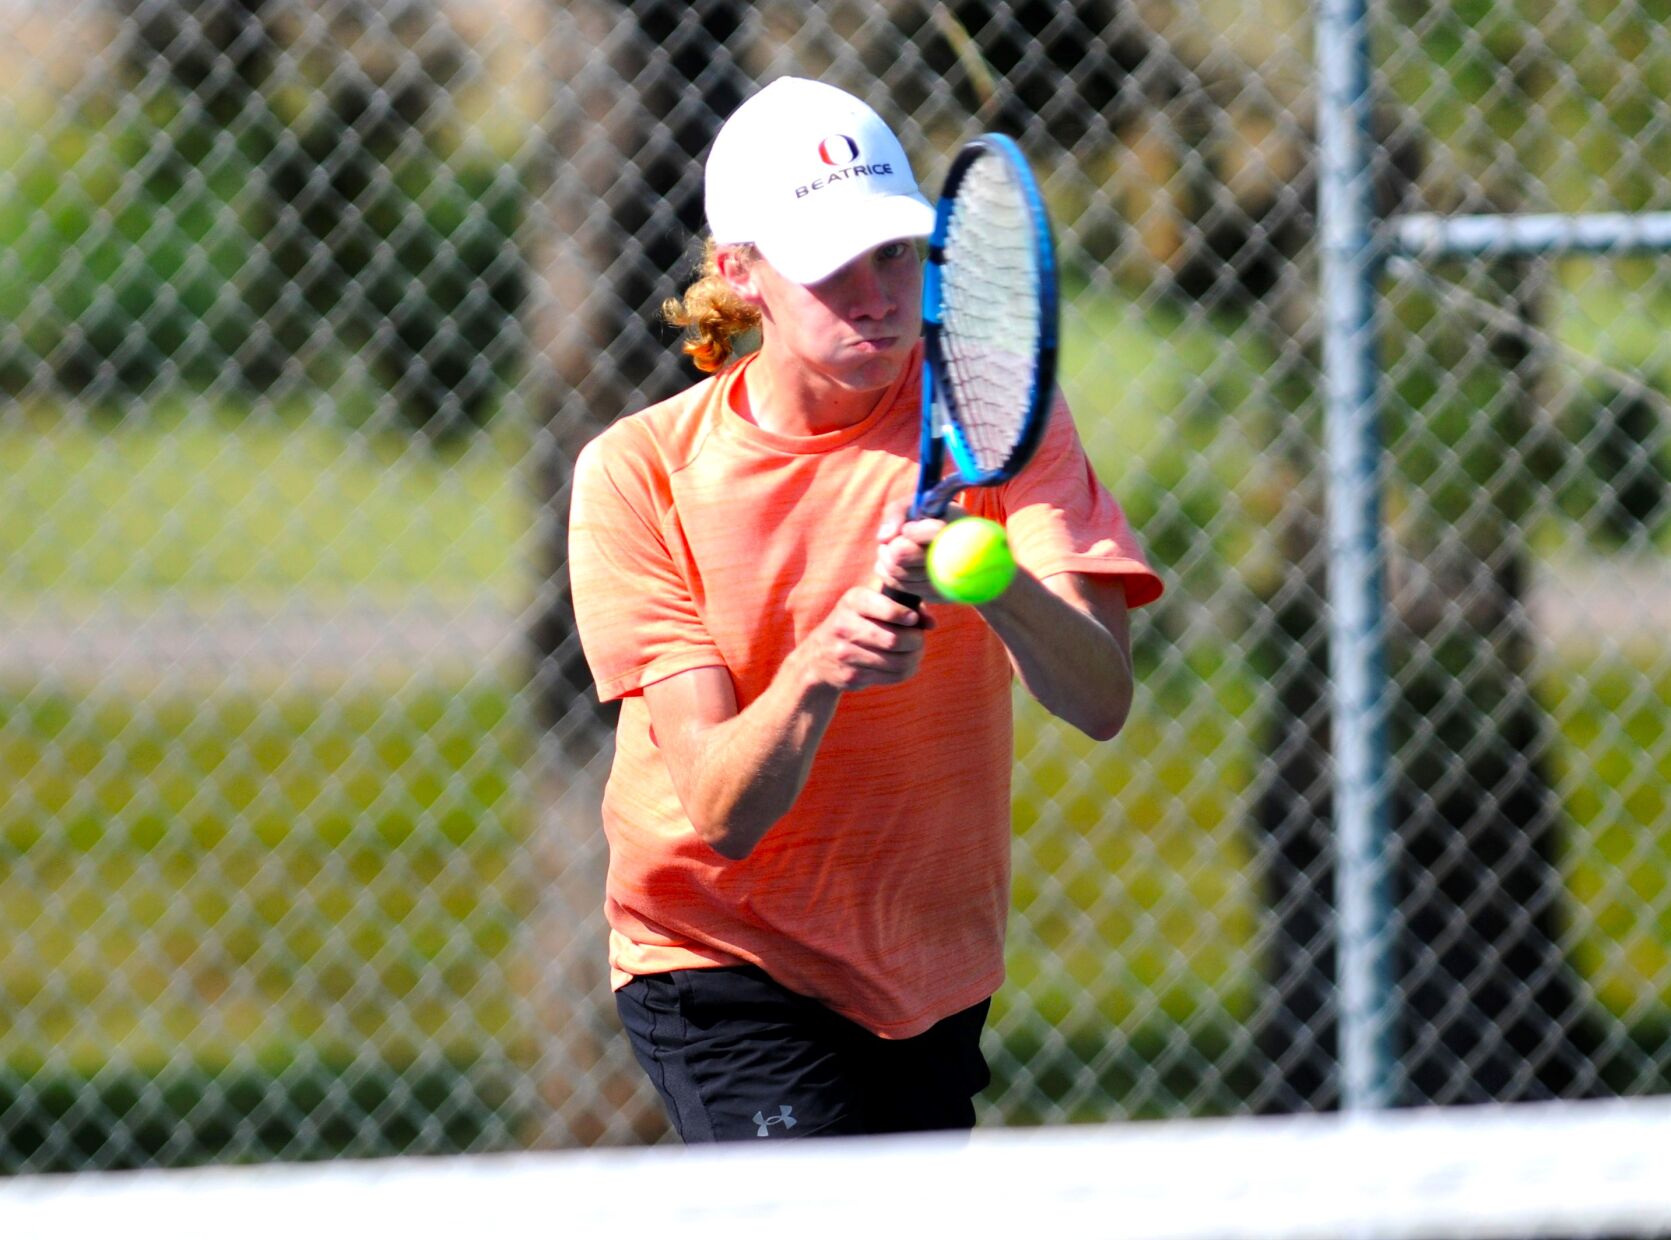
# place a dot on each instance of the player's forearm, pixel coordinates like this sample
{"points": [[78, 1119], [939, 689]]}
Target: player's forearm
{"points": [[738, 772], [1077, 667], [746, 773]]}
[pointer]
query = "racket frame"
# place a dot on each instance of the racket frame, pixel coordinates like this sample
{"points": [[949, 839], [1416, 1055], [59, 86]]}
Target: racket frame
{"points": [[941, 432]]}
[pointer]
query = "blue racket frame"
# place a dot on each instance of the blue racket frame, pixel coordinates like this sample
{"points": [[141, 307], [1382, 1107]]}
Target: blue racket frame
{"points": [[941, 432]]}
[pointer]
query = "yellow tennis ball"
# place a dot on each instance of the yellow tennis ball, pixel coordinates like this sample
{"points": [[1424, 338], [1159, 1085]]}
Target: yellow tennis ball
{"points": [[970, 562]]}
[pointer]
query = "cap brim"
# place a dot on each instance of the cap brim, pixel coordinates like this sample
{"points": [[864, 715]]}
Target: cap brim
{"points": [[817, 249]]}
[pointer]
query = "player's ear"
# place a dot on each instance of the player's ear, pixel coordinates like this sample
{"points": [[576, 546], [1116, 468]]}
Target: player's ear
{"points": [[738, 265]]}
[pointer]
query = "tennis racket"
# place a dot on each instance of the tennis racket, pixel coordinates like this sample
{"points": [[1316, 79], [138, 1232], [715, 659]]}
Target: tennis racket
{"points": [[990, 319]]}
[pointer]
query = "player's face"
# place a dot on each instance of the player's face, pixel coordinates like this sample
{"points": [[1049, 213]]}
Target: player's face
{"points": [[856, 327]]}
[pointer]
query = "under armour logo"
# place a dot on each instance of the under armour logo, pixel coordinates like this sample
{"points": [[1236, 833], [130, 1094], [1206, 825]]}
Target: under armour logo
{"points": [[785, 1116]]}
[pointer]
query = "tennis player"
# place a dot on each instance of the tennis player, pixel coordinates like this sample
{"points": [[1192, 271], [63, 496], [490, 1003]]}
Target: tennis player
{"points": [[809, 810]]}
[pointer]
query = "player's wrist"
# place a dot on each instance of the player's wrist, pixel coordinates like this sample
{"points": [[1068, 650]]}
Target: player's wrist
{"points": [[813, 680], [1018, 600]]}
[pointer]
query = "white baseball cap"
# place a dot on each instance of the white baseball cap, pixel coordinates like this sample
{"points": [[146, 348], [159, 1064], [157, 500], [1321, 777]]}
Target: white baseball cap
{"points": [[813, 178]]}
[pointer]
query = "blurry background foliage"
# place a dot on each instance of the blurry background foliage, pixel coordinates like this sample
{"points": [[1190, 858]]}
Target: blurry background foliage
{"points": [[306, 305], [249, 204]]}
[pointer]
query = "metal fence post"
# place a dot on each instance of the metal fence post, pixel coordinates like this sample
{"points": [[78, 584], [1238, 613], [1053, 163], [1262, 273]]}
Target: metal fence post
{"points": [[1356, 556]]}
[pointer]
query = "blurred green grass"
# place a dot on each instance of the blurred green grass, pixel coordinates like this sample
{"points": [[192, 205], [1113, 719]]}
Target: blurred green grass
{"points": [[1144, 905], [1615, 775], [199, 505], [330, 872], [251, 873]]}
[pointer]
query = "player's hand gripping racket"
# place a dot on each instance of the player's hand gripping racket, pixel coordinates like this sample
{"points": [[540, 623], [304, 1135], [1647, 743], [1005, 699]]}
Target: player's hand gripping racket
{"points": [[989, 327]]}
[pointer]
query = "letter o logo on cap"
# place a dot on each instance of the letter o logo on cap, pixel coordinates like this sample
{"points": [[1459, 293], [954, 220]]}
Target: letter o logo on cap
{"points": [[837, 150]]}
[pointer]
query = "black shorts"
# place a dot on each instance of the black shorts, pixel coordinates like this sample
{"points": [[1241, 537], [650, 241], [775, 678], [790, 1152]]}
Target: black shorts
{"points": [[736, 1057]]}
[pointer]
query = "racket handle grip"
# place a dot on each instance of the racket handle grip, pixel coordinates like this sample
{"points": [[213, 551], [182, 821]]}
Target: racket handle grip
{"points": [[903, 599]]}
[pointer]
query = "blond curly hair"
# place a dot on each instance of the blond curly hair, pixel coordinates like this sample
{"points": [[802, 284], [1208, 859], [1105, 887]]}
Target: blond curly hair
{"points": [[713, 317]]}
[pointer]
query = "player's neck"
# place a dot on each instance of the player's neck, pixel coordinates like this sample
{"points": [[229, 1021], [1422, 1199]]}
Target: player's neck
{"points": [[788, 398]]}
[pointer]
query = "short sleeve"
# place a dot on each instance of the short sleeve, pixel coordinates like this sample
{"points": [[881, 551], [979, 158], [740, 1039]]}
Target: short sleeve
{"points": [[633, 603], [1061, 518]]}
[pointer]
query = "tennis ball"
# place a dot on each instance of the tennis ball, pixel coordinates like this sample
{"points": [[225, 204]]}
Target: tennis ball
{"points": [[970, 562]]}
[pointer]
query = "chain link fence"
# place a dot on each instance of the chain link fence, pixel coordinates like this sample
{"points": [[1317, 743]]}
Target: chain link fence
{"points": [[306, 307]]}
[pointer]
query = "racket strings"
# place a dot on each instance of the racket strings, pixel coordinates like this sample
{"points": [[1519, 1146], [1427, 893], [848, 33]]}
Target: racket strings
{"points": [[990, 316]]}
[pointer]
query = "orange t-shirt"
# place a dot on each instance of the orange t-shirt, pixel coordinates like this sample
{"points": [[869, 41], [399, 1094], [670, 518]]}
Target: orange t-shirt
{"points": [[699, 539]]}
